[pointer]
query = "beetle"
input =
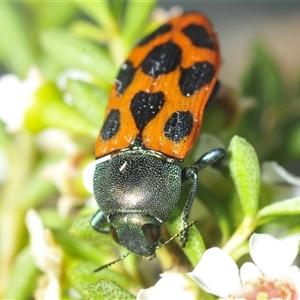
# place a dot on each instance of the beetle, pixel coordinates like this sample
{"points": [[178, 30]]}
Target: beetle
{"points": [[153, 119]]}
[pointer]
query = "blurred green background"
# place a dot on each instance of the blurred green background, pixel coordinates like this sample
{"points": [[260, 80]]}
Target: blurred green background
{"points": [[75, 50]]}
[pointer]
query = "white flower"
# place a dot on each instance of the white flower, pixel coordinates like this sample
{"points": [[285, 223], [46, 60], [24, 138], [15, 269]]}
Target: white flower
{"points": [[73, 74], [163, 15], [4, 164], [277, 176], [271, 275], [16, 97], [217, 273], [68, 176], [52, 140], [175, 286], [47, 256], [88, 174]]}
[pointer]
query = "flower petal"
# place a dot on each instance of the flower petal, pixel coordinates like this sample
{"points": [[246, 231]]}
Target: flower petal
{"points": [[273, 256], [273, 173], [52, 290], [293, 275], [88, 175], [217, 273], [38, 242], [16, 97], [249, 272], [4, 164], [171, 286]]}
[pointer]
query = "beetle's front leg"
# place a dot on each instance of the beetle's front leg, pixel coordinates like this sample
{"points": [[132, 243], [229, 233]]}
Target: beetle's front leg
{"points": [[98, 221], [190, 173]]}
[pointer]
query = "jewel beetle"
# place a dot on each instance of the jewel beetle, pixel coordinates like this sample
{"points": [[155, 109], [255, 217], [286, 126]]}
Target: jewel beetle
{"points": [[153, 118]]}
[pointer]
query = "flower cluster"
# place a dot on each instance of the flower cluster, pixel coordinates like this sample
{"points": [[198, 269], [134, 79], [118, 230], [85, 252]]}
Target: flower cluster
{"points": [[270, 276]]}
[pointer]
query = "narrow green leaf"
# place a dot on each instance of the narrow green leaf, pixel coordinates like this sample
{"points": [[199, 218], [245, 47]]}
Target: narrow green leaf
{"points": [[245, 172], [135, 22], [117, 8], [81, 228], [101, 13], [50, 111], [293, 144], [263, 83], [79, 248], [106, 289], [88, 30], [23, 277], [15, 47], [289, 207], [84, 274], [263, 80], [195, 246], [75, 52], [53, 13], [52, 220], [89, 100], [36, 190]]}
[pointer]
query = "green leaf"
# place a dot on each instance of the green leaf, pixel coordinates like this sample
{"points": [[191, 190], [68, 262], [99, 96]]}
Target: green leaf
{"points": [[245, 172], [101, 13], [15, 47], [289, 207], [81, 228], [23, 277], [36, 189], [75, 52], [52, 14], [263, 83], [50, 111], [263, 79], [195, 246], [117, 8], [106, 289], [52, 220], [77, 248], [135, 22], [88, 30], [293, 143], [89, 100], [84, 273]]}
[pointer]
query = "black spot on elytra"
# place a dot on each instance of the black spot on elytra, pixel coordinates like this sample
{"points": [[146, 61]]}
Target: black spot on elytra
{"points": [[111, 125], [162, 59], [198, 36], [194, 78], [145, 106], [124, 77], [179, 125], [159, 31]]}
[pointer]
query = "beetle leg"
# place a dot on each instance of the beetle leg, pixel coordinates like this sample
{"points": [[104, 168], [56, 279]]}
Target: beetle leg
{"points": [[190, 173], [98, 220], [209, 158]]}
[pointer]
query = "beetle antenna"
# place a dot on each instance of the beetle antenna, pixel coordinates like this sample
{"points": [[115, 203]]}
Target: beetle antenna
{"points": [[112, 262], [176, 235]]}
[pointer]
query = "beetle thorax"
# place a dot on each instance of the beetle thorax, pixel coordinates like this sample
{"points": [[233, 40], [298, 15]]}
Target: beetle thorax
{"points": [[135, 182]]}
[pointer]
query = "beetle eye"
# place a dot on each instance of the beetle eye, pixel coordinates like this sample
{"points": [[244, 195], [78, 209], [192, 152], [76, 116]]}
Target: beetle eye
{"points": [[113, 233], [152, 233]]}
